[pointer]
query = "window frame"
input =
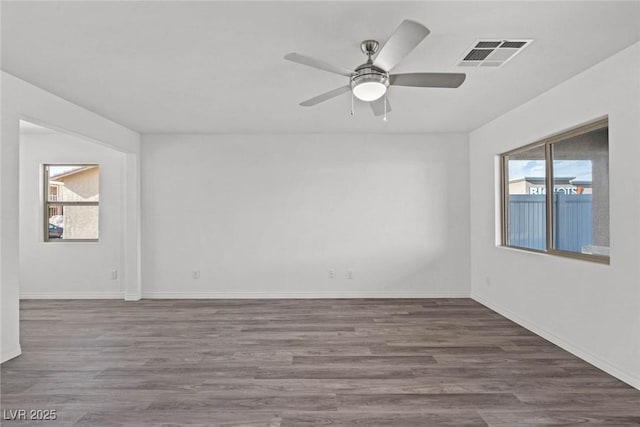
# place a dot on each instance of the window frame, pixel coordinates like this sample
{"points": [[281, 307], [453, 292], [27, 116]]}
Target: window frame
{"points": [[547, 142], [47, 204]]}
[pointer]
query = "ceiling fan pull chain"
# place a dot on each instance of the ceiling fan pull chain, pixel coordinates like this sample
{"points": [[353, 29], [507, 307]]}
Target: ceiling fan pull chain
{"points": [[352, 113], [385, 107]]}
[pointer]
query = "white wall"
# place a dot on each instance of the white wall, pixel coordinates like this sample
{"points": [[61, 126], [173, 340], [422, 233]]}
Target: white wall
{"points": [[21, 100], [269, 215], [59, 269], [590, 309]]}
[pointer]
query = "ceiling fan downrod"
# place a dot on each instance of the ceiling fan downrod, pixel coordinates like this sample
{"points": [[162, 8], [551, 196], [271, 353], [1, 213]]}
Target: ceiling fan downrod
{"points": [[369, 48]]}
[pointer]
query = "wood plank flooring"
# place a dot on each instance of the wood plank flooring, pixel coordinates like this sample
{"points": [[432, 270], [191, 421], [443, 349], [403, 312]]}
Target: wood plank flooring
{"points": [[276, 363]]}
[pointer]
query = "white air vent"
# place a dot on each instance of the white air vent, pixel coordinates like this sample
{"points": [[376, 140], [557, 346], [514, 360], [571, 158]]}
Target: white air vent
{"points": [[492, 53]]}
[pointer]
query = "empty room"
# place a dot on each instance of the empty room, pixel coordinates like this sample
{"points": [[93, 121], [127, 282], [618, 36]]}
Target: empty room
{"points": [[311, 213]]}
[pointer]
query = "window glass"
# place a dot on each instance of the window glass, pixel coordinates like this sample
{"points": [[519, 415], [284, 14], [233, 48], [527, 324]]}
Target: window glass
{"points": [[80, 222], [526, 202], [581, 193]]}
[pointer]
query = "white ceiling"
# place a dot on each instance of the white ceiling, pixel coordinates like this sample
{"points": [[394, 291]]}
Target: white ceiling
{"points": [[199, 67]]}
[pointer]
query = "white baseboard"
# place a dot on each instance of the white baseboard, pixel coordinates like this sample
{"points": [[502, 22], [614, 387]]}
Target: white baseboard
{"points": [[14, 352], [293, 294], [71, 295], [563, 343], [130, 297]]}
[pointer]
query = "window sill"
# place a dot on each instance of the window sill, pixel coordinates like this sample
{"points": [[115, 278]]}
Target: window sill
{"points": [[70, 241], [598, 259]]}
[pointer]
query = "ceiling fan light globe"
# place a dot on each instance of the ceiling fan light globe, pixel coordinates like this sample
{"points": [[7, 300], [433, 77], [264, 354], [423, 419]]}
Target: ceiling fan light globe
{"points": [[369, 91]]}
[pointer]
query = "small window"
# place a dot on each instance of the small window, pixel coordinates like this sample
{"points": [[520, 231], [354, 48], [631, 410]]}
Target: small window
{"points": [[72, 199], [555, 194]]}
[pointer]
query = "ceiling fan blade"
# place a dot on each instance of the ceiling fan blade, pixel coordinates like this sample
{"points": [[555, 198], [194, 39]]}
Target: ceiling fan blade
{"points": [[377, 106], [325, 96], [452, 80], [317, 63], [404, 39]]}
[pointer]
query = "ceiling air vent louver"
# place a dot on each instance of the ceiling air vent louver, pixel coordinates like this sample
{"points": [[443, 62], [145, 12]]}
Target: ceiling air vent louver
{"points": [[492, 53]]}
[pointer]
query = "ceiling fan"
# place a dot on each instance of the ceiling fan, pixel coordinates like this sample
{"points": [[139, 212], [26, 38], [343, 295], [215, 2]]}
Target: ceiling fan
{"points": [[369, 81]]}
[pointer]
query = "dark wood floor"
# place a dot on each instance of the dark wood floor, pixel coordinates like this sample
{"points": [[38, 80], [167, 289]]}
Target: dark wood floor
{"points": [[382, 362]]}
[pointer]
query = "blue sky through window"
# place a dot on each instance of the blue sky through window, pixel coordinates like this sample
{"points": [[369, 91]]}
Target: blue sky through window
{"points": [[55, 170], [580, 169]]}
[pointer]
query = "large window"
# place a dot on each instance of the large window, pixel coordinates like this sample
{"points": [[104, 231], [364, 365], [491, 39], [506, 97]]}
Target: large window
{"points": [[555, 194], [71, 200]]}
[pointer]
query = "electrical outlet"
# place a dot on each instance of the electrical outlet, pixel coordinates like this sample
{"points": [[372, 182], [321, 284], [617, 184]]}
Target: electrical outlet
{"points": [[350, 274], [114, 274], [332, 274], [487, 281], [195, 274]]}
